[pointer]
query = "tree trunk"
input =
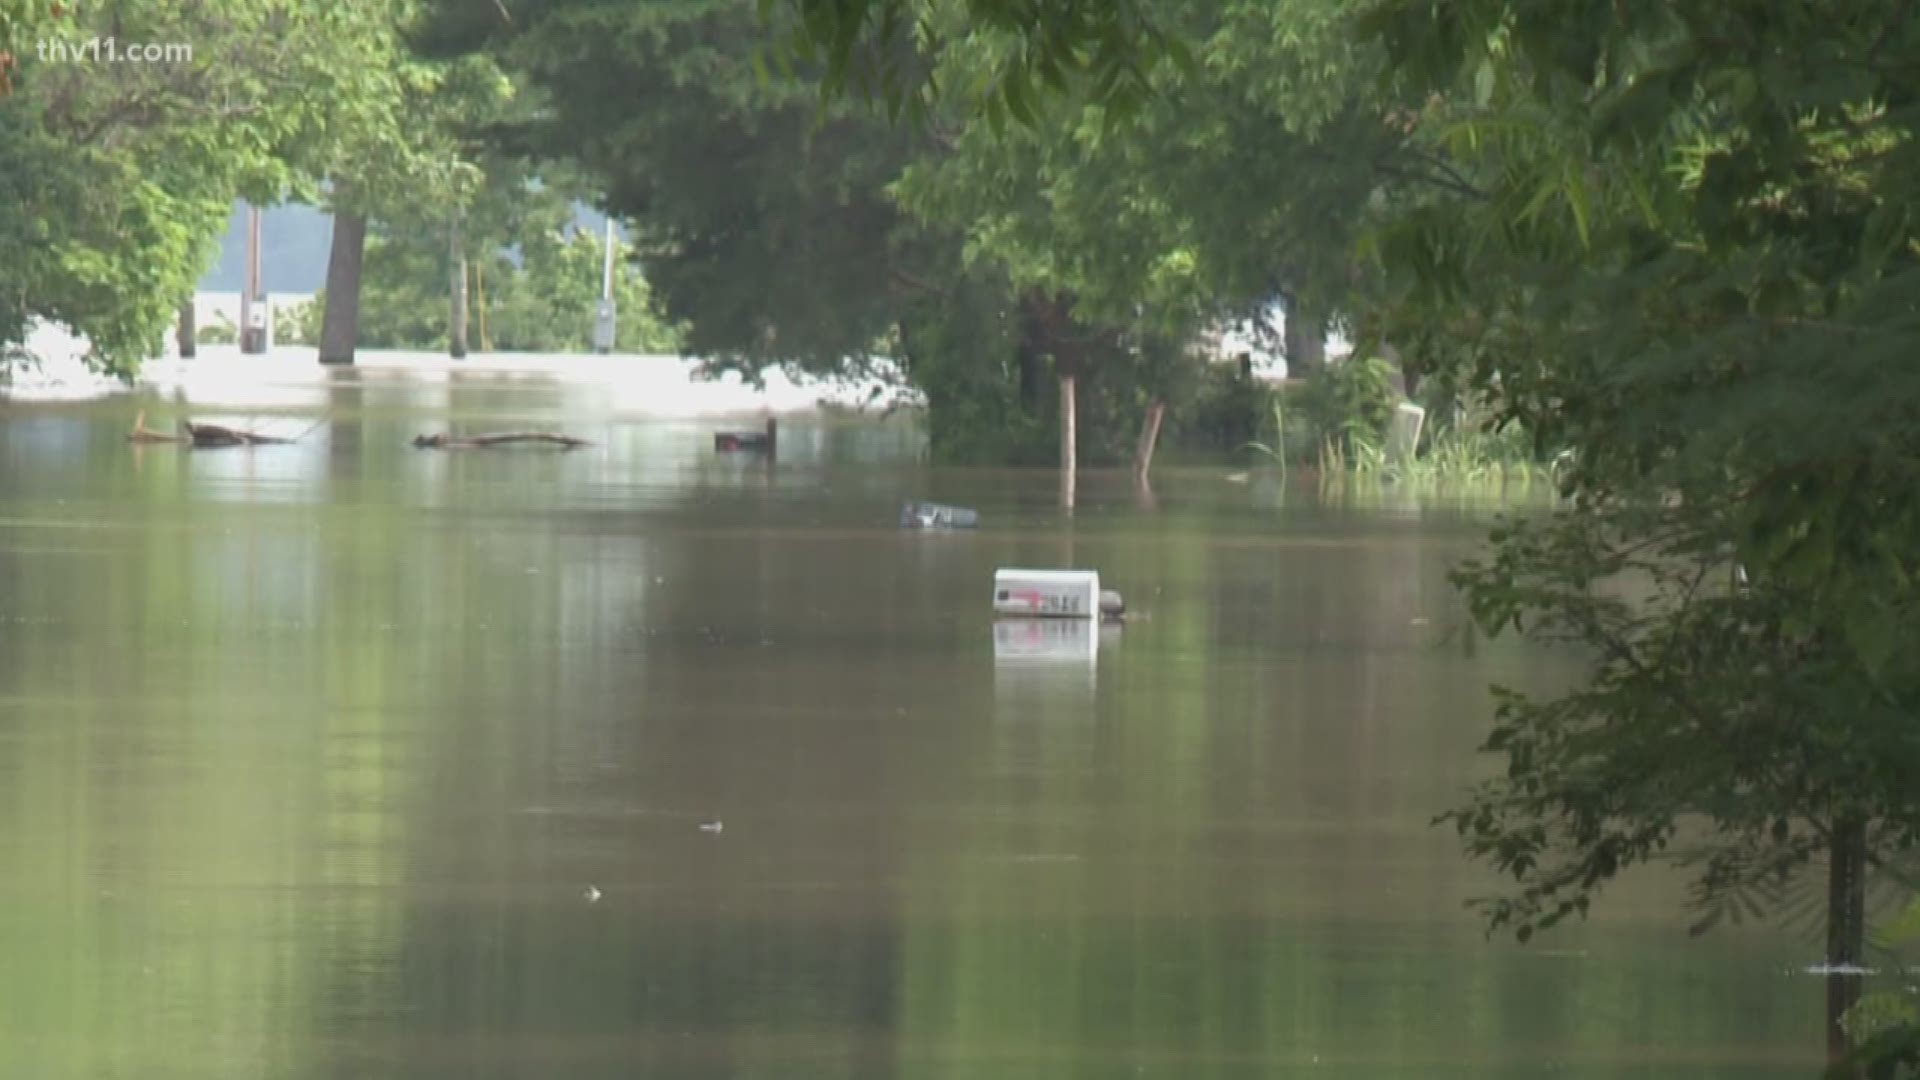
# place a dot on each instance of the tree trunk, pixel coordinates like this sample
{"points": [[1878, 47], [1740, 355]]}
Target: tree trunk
{"points": [[1027, 354], [1149, 438], [184, 331], [1069, 440], [1305, 340], [1846, 929], [457, 315], [340, 322]]}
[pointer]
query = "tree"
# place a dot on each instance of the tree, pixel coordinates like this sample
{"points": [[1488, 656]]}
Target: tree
{"points": [[1241, 178], [542, 288], [409, 155], [124, 171], [878, 48], [763, 220], [1695, 264]]}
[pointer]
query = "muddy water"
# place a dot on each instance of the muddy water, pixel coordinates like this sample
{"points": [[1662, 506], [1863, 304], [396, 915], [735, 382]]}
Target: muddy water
{"points": [[346, 759]]}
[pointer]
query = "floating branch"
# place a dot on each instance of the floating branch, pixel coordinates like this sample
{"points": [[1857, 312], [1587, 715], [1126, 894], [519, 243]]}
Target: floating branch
{"points": [[213, 436], [448, 441], [141, 433]]}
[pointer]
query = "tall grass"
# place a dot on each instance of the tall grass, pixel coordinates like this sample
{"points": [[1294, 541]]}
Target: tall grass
{"points": [[1460, 453], [1277, 453]]}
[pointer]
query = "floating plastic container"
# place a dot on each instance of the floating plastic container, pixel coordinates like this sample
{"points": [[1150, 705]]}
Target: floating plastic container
{"points": [[926, 515], [1052, 594]]}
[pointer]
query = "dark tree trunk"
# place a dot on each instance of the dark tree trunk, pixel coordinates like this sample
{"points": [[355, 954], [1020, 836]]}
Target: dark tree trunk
{"points": [[1846, 929], [1305, 341], [340, 322], [1029, 355], [457, 316], [185, 333]]}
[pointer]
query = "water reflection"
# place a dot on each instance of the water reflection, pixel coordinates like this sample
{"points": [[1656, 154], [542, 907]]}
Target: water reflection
{"points": [[313, 757]]}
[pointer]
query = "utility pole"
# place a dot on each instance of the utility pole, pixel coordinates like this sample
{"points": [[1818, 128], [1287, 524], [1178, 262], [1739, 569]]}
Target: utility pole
{"points": [[253, 305], [603, 323]]}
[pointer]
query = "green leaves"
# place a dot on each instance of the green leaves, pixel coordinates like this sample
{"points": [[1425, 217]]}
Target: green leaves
{"points": [[1110, 49]]}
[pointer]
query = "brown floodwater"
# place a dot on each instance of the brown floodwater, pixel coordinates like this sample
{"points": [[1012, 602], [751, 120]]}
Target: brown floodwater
{"points": [[348, 759]]}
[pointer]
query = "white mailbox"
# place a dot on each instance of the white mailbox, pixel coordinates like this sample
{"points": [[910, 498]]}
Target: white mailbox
{"points": [[1059, 594]]}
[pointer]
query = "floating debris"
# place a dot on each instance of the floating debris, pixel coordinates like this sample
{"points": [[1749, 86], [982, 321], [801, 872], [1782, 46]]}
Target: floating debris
{"points": [[592, 894], [141, 433], [712, 826], [203, 436], [928, 515], [1839, 969], [449, 441], [1055, 594], [763, 441]]}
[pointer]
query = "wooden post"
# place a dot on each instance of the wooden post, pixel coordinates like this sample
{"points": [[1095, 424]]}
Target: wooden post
{"points": [[1846, 931], [1069, 440], [480, 302], [457, 301]]}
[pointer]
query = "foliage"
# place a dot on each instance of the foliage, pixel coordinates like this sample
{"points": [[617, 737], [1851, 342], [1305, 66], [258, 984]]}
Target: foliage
{"points": [[762, 220], [540, 298], [408, 148], [547, 303], [1221, 411], [1351, 402], [220, 331], [1243, 178], [293, 324], [876, 47]]}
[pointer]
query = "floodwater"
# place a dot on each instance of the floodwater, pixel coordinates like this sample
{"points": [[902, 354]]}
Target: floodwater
{"points": [[349, 759]]}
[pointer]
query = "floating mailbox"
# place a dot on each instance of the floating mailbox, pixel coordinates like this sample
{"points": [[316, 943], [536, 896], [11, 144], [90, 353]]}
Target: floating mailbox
{"points": [[1059, 594]]}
